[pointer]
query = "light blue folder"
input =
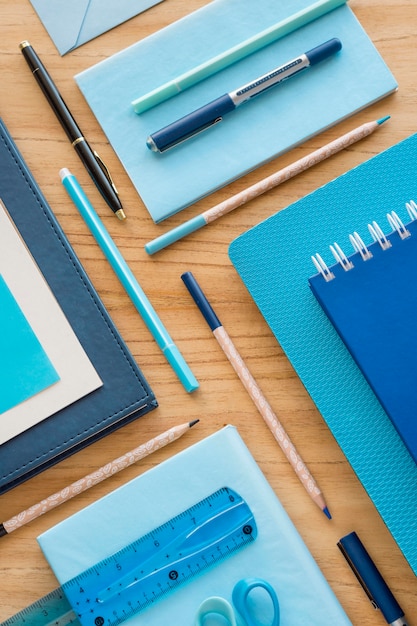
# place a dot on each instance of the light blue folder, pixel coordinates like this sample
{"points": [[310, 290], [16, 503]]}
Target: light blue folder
{"points": [[278, 554], [25, 368], [71, 23], [274, 261], [254, 133]]}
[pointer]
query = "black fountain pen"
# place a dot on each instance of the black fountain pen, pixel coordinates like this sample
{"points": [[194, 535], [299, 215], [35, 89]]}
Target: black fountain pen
{"points": [[91, 160]]}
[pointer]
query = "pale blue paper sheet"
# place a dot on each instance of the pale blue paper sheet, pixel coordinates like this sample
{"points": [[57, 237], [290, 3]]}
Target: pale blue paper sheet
{"points": [[278, 554], [254, 133], [71, 23], [25, 368]]}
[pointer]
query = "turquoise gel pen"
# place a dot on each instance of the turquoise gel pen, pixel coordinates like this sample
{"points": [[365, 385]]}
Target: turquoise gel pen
{"points": [[128, 280]]}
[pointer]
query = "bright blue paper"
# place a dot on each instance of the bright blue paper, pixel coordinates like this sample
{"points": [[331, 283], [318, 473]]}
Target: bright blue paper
{"points": [[25, 368], [70, 23], [254, 133], [278, 554]]}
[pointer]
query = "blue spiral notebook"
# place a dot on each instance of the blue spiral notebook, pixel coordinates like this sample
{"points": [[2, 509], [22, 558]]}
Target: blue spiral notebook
{"points": [[274, 261], [371, 299], [256, 132], [278, 554]]}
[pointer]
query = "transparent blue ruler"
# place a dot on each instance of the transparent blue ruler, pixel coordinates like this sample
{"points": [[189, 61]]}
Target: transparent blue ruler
{"points": [[146, 570]]}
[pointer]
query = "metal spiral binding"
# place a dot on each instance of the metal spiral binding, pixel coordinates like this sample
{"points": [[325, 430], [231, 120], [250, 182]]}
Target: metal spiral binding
{"points": [[359, 246], [379, 236], [398, 225], [341, 257], [411, 209], [322, 268]]}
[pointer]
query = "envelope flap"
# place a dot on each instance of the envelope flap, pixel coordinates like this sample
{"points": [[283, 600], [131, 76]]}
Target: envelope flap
{"points": [[63, 19], [71, 23], [101, 14]]}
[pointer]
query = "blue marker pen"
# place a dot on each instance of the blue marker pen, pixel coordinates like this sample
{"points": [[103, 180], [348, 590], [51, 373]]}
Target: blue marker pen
{"points": [[213, 112], [371, 580]]}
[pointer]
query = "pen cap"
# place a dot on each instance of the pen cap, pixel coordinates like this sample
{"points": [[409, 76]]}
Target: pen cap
{"points": [[201, 300], [323, 51], [369, 577]]}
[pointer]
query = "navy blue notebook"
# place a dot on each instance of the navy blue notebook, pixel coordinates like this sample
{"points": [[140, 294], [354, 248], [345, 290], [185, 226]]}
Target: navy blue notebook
{"points": [[125, 394], [371, 299]]}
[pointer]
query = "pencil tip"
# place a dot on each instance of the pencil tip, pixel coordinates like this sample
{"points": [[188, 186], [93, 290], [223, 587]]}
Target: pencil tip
{"points": [[327, 512], [191, 424], [383, 119]]}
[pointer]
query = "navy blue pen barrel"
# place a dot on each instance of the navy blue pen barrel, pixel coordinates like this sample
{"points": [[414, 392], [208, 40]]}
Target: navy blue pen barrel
{"points": [[190, 124], [50, 92], [326, 49], [370, 577], [201, 300]]}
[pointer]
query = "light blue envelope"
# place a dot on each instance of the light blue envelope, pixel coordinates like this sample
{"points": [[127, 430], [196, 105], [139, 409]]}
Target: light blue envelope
{"points": [[70, 23]]}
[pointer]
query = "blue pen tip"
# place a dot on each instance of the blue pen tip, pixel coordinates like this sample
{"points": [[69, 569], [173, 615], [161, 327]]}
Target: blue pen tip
{"points": [[327, 513], [383, 119]]}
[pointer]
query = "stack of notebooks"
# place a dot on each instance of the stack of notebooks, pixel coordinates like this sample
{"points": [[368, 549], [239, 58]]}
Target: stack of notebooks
{"points": [[274, 261], [256, 132], [278, 554], [66, 376]]}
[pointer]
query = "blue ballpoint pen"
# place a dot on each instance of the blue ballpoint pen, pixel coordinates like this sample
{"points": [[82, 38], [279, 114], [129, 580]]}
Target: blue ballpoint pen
{"points": [[371, 580], [128, 280], [213, 112]]}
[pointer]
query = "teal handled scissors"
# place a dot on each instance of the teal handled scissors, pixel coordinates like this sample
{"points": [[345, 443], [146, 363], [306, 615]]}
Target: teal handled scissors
{"points": [[223, 608]]}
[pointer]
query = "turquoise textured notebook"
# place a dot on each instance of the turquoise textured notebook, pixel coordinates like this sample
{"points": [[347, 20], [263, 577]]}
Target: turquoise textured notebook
{"points": [[25, 368], [370, 298], [274, 261], [253, 134], [278, 553]]}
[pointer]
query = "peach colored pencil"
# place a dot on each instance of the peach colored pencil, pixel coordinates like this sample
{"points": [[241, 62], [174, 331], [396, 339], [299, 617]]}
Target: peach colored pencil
{"points": [[94, 478], [255, 393], [263, 186]]}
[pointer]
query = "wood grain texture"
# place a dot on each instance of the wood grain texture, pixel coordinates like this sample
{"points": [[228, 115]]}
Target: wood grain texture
{"points": [[221, 399]]}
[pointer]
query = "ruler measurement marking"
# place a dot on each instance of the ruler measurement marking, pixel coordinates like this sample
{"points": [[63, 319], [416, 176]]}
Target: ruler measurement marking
{"points": [[144, 571]]}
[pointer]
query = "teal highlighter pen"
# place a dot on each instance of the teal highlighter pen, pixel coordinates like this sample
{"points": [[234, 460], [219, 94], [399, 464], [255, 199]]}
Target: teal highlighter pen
{"points": [[128, 280]]}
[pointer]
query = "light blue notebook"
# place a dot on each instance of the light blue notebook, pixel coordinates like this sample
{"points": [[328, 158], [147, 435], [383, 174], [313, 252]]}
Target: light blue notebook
{"points": [[278, 554], [25, 368], [274, 261], [256, 132]]}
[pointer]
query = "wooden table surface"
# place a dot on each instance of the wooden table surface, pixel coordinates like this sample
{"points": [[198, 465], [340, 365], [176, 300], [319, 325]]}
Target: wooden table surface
{"points": [[221, 399]]}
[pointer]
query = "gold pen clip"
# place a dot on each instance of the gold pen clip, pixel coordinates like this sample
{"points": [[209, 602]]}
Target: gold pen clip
{"points": [[105, 170], [120, 213]]}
